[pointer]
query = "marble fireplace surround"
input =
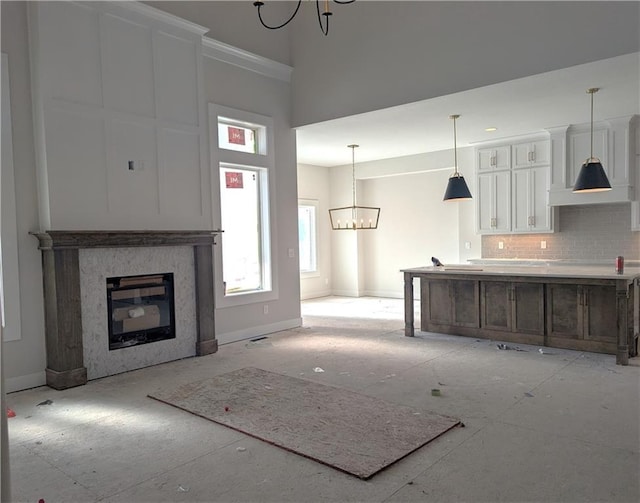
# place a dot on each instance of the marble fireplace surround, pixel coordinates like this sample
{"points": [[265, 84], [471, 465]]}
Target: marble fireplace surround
{"points": [[63, 301]]}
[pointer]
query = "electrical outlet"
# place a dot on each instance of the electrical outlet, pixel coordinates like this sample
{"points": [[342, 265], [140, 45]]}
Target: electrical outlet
{"points": [[292, 253], [543, 245], [265, 309], [500, 245], [467, 245]]}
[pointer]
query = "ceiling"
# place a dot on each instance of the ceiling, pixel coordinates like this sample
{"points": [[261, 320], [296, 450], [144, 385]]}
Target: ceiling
{"points": [[515, 108]]}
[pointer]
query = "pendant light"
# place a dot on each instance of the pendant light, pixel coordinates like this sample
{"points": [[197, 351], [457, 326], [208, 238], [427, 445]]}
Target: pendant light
{"points": [[592, 177], [354, 217], [457, 189]]}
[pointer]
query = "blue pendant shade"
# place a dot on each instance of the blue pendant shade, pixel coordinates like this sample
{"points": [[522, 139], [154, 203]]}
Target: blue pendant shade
{"points": [[457, 189], [592, 177]]}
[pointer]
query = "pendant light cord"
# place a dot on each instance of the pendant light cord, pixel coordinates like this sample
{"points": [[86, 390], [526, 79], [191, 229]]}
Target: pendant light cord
{"points": [[591, 154], [455, 147], [353, 172], [592, 91]]}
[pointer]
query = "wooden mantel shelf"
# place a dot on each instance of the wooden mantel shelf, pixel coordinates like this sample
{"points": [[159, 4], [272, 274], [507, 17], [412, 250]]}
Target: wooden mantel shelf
{"points": [[59, 240]]}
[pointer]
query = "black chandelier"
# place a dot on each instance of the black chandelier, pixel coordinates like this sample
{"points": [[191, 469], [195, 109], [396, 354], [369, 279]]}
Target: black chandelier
{"points": [[324, 26]]}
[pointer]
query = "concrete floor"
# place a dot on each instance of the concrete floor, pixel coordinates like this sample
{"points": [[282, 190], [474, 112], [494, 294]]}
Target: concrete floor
{"points": [[560, 426]]}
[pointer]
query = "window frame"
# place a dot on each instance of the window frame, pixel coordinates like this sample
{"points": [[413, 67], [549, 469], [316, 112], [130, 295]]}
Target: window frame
{"points": [[314, 203], [263, 160]]}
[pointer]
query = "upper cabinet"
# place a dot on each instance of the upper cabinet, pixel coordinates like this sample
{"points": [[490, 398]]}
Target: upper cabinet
{"points": [[513, 186], [635, 205], [614, 143], [530, 154], [493, 158]]}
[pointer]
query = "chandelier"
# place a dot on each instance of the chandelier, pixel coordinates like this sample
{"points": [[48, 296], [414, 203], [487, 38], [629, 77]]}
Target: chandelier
{"points": [[326, 14], [354, 217]]}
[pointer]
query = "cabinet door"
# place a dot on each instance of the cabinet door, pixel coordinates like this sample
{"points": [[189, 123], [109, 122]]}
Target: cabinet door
{"points": [[521, 202], [465, 303], [540, 153], [436, 302], [496, 306], [600, 313], [494, 158], [564, 311], [484, 208], [493, 206], [539, 209], [528, 308], [530, 154], [530, 203], [521, 155], [502, 201]]}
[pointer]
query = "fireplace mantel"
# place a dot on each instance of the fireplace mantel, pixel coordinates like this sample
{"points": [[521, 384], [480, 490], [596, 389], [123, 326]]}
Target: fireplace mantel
{"points": [[58, 240], [61, 281]]}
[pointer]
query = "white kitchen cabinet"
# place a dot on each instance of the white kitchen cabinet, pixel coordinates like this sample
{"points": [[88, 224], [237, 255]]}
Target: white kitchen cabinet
{"points": [[613, 144], [494, 158], [635, 216], [514, 199], [530, 211], [530, 154], [493, 203]]}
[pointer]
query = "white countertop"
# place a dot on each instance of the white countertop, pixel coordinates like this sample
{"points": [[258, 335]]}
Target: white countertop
{"points": [[556, 270]]}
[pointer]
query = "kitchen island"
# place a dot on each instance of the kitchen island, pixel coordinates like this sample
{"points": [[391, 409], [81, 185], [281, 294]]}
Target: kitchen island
{"points": [[586, 308]]}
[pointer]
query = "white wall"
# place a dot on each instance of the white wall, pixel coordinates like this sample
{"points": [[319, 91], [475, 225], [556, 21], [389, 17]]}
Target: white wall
{"points": [[387, 53], [313, 184], [415, 224], [234, 87], [236, 23], [224, 84], [24, 359], [115, 90]]}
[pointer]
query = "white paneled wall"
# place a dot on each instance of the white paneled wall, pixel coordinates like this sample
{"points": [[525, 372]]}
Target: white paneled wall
{"points": [[120, 121]]}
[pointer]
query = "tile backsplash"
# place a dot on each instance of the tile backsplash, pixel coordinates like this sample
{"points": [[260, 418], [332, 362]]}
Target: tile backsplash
{"points": [[593, 232]]}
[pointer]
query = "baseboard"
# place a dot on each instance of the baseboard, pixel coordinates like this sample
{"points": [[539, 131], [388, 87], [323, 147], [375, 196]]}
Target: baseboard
{"points": [[315, 295], [25, 382], [387, 294], [345, 293], [250, 333]]}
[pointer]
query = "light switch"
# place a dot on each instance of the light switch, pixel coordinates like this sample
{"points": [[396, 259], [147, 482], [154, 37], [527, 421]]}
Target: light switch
{"points": [[500, 245]]}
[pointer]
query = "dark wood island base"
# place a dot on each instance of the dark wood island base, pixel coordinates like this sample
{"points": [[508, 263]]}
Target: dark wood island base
{"points": [[580, 308]]}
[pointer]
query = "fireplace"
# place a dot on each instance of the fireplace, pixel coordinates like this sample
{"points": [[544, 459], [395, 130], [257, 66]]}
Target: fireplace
{"points": [[83, 341], [140, 310]]}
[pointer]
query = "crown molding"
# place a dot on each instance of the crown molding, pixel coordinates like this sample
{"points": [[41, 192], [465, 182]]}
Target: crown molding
{"points": [[220, 51], [149, 13]]}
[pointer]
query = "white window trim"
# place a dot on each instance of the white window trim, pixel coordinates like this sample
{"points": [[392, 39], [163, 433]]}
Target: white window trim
{"points": [[265, 158], [316, 204]]}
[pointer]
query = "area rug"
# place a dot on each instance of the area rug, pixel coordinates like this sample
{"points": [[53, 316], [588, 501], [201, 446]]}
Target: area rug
{"points": [[355, 433]]}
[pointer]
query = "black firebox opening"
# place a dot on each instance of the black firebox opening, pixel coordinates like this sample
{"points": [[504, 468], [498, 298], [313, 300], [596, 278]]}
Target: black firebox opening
{"points": [[141, 309]]}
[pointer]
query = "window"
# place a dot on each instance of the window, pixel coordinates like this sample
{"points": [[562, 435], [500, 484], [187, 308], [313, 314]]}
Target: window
{"points": [[235, 137], [242, 158], [242, 190], [307, 236]]}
